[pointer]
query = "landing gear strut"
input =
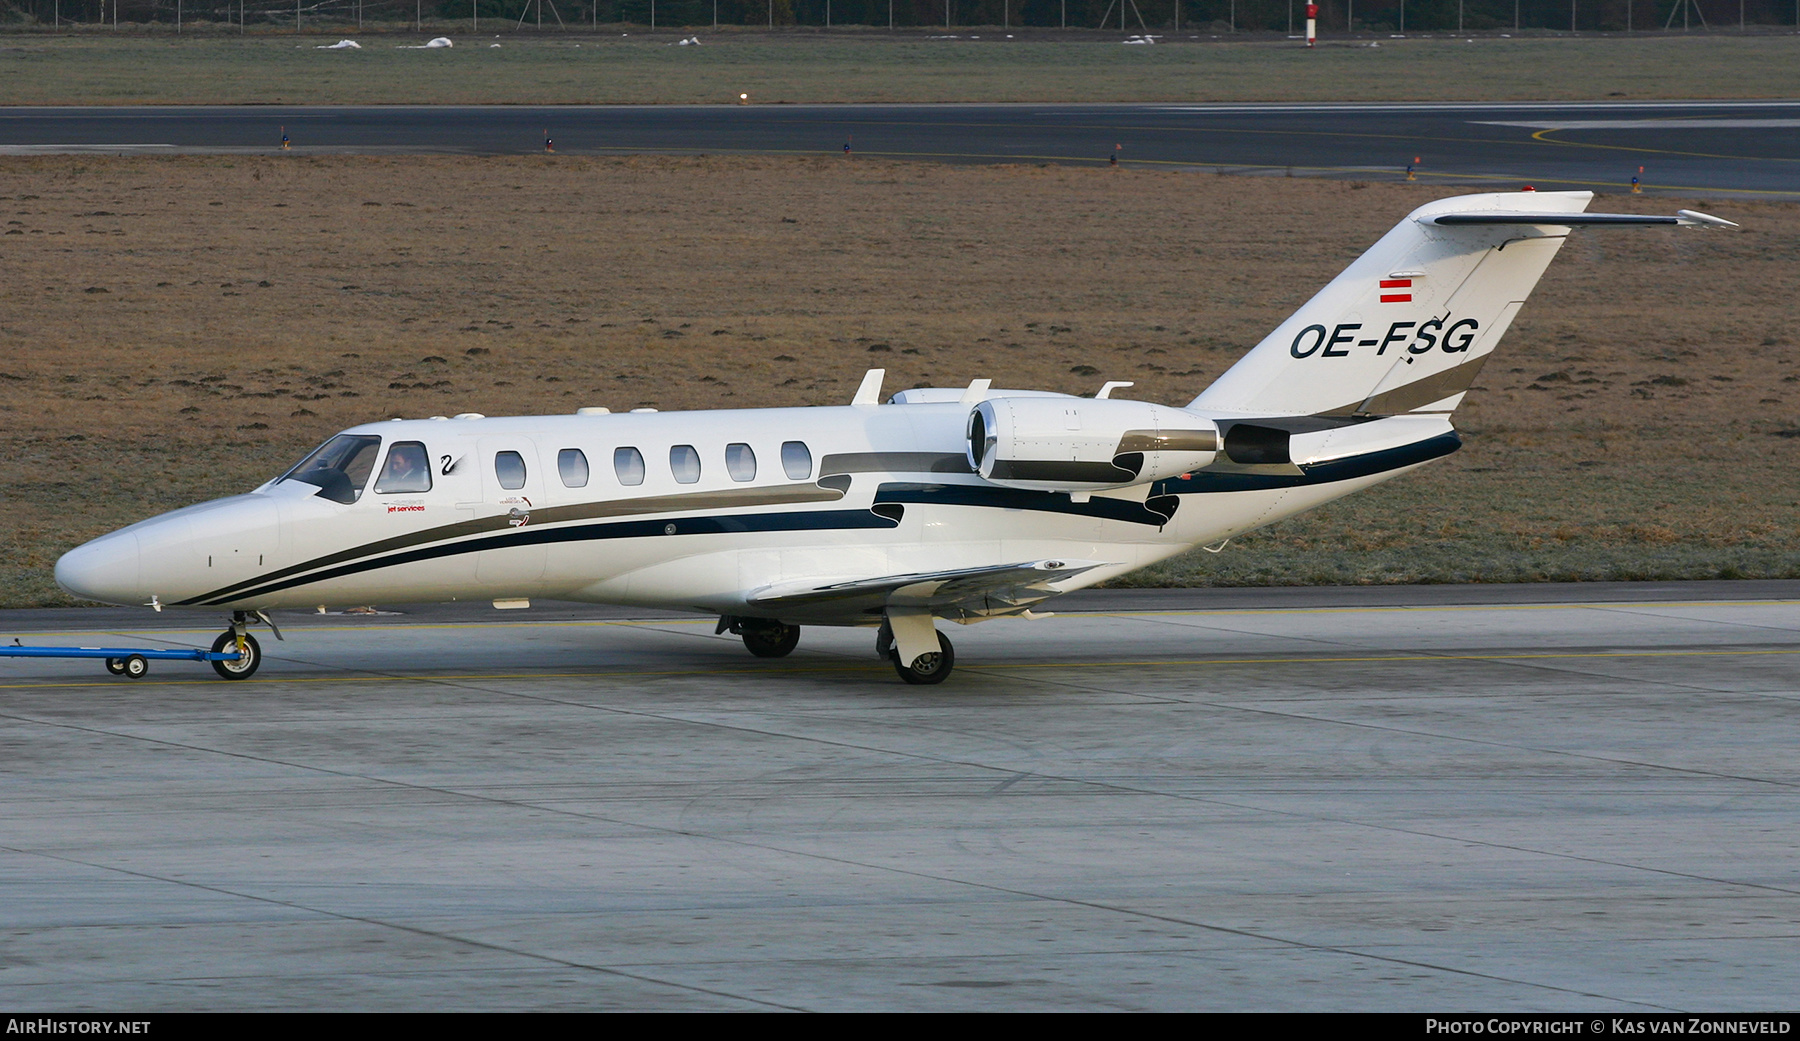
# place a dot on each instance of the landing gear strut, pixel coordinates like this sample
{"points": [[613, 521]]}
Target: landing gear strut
{"points": [[763, 637]]}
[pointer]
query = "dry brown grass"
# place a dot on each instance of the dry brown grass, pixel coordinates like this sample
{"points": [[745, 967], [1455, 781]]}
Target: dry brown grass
{"points": [[101, 67], [182, 328]]}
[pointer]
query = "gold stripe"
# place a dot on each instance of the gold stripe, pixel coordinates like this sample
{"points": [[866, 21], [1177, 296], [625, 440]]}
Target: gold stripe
{"points": [[723, 498], [1410, 396], [1168, 441], [894, 462], [708, 500]]}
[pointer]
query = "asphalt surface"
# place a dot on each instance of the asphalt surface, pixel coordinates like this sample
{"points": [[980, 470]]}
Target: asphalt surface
{"points": [[1738, 148], [1504, 798]]}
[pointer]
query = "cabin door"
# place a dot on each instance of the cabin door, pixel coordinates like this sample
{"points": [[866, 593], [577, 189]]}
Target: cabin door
{"points": [[512, 481]]}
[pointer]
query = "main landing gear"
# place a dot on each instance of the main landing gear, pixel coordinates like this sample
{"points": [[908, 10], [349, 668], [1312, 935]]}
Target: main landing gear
{"points": [[768, 638], [928, 668], [763, 637]]}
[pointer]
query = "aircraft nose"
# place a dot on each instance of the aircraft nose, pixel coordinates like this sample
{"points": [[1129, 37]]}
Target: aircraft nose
{"points": [[106, 569]]}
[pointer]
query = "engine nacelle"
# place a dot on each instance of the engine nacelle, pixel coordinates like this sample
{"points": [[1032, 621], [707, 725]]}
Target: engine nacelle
{"points": [[1085, 444]]}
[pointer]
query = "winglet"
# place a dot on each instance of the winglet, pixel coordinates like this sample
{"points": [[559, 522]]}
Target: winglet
{"points": [[870, 391]]}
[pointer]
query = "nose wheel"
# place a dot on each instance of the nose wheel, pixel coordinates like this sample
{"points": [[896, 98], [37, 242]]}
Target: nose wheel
{"points": [[249, 655]]}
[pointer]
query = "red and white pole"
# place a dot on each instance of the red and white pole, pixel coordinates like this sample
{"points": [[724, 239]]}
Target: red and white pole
{"points": [[1312, 22]]}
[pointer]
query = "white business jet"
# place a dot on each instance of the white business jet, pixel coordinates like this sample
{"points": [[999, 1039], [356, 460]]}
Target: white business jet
{"points": [[965, 504]]}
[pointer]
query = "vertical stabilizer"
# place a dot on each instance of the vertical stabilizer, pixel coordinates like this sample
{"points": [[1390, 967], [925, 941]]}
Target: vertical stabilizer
{"points": [[1408, 325]]}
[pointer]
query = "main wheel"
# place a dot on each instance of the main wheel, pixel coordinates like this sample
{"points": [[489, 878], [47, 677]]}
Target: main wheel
{"points": [[927, 668], [243, 667], [136, 666], [116, 666], [771, 639]]}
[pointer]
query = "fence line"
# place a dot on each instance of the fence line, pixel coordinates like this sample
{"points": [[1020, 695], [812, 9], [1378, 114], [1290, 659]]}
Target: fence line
{"points": [[1195, 16]]}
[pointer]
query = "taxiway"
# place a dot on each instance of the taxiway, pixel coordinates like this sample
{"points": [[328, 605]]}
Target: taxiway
{"points": [[1507, 798], [1735, 148]]}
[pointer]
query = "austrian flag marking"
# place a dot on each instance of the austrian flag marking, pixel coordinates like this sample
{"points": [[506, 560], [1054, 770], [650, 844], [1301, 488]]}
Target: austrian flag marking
{"points": [[1388, 296]]}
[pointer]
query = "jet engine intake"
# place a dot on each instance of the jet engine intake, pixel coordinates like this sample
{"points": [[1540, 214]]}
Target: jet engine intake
{"points": [[1085, 444]]}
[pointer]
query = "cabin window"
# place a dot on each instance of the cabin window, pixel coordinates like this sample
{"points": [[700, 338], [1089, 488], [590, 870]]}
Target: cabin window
{"points": [[408, 469], [628, 463], [509, 467], [796, 459], [571, 464], [684, 463], [339, 468], [740, 462]]}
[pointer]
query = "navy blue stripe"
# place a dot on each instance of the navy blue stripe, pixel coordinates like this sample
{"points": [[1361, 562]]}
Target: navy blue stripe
{"points": [[529, 536], [1319, 473], [1017, 499], [1199, 483]]}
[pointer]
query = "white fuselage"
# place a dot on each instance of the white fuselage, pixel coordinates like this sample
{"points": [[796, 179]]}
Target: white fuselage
{"points": [[878, 490]]}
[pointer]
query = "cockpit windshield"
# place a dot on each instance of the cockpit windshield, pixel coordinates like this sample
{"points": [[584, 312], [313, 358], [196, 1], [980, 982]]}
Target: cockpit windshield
{"points": [[340, 467]]}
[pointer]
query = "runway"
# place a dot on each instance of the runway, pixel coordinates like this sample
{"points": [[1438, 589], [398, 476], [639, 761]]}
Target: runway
{"points": [[1502, 798], [1736, 148]]}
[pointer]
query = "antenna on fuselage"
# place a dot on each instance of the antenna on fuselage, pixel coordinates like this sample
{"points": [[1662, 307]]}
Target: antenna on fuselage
{"points": [[870, 391]]}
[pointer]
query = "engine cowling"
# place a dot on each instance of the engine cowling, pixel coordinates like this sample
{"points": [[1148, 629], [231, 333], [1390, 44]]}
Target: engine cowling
{"points": [[1085, 444]]}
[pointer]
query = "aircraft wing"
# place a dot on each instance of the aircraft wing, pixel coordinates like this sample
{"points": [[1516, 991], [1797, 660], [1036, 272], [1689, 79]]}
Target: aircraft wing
{"points": [[999, 589]]}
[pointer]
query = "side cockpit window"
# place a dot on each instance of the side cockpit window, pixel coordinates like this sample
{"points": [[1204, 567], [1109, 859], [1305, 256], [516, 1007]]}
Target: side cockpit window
{"points": [[340, 467], [408, 469]]}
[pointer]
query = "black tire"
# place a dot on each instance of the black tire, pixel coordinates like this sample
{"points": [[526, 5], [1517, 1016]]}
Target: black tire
{"points": [[771, 639], [243, 668], [116, 666], [136, 666], [932, 668]]}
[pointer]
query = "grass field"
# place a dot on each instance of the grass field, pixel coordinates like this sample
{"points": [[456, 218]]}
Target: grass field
{"points": [[96, 67], [178, 329]]}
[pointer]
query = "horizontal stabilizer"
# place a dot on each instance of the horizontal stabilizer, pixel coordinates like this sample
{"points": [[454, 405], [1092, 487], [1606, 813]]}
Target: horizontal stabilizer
{"points": [[962, 593], [1682, 218]]}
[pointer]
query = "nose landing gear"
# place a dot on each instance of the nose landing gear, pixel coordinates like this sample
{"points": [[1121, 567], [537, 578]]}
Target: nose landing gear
{"points": [[238, 640], [249, 654]]}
